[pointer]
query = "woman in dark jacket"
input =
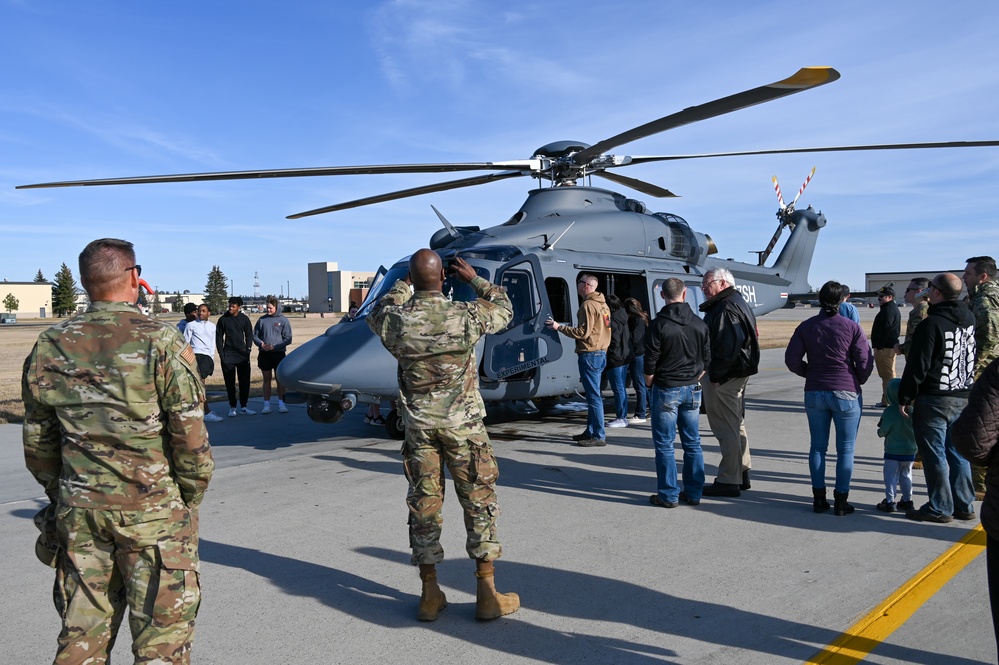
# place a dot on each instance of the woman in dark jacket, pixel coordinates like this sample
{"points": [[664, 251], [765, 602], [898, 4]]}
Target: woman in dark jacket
{"points": [[618, 358], [975, 434], [638, 323], [839, 360]]}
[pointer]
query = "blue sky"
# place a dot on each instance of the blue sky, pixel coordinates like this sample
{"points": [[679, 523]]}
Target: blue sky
{"points": [[105, 89]]}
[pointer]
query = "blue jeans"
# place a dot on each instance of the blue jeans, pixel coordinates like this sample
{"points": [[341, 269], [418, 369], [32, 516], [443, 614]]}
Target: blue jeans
{"points": [[591, 366], [637, 369], [948, 475], [616, 376], [672, 409], [824, 407]]}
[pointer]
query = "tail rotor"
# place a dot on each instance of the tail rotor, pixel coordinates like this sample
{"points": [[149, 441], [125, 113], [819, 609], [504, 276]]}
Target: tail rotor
{"points": [[783, 218]]}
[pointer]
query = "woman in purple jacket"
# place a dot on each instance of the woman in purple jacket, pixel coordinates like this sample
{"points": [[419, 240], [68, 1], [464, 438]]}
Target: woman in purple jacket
{"points": [[833, 355]]}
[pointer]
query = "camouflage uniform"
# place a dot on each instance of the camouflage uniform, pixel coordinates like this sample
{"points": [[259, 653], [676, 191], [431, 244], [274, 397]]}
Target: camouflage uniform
{"points": [[985, 306], [442, 410], [113, 431], [916, 316]]}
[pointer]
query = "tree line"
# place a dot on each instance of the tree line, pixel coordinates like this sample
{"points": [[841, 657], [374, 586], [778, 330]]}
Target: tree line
{"points": [[65, 292]]}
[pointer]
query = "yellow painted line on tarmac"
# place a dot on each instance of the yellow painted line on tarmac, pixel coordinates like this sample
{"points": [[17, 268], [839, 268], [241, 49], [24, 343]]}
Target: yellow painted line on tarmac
{"points": [[864, 636]]}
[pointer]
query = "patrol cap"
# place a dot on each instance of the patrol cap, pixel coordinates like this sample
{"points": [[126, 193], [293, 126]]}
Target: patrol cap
{"points": [[46, 547]]}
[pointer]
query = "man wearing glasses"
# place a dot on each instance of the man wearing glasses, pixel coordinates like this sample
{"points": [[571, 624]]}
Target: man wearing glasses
{"points": [[935, 386], [113, 431], [592, 335], [735, 356], [920, 305]]}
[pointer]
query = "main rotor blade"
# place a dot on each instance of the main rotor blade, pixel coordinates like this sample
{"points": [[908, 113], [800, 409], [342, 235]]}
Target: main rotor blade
{"points": [[415, 191], [637, 185], [803, 79], [840, 148], [522, 164]]}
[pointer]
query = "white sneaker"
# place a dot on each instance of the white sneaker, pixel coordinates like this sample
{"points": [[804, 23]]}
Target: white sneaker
{"points": [[232, 413], [213, 418], [282, 408], [635, 420], [247, 412], [367, 420], [266, 409], [620, 422]]}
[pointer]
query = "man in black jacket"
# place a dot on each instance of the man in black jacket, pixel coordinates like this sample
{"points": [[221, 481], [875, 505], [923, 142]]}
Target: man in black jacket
{"points": [[935, 386], [677, 352], [234, 340], [735, 356], [884, 339]]}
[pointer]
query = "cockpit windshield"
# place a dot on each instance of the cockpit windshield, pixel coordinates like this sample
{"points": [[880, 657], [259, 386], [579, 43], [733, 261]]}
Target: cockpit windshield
{"points": [[454, 289]]}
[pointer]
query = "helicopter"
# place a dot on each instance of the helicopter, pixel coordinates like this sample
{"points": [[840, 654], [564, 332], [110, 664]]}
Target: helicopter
{"points": [[561, 231]]}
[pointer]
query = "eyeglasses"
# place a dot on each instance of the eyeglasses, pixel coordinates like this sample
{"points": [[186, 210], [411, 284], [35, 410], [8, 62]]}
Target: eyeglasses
{"points": [[913, 288], [935, 286], [704, 284], [137, 268]]}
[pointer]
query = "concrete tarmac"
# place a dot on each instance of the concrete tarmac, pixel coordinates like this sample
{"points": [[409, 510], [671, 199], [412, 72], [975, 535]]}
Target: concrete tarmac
{"points": [[305, 553]]}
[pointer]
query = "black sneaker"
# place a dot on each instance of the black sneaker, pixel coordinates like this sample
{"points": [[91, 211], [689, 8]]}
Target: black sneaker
{"points": [[580, 437], [920, 516], [656, 501], [591, 443], [963, 516], [905, 505], [886, 506]]}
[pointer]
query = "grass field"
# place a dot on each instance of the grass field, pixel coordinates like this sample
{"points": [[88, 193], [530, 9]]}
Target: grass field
{"points": [[16, 342]]}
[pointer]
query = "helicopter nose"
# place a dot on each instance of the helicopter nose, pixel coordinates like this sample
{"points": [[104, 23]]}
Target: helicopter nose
{"points": [[347, 357]]}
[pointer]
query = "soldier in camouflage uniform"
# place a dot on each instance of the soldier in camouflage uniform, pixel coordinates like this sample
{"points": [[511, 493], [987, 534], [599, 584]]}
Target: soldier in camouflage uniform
{"points": [[980, 278], [113, 431], [442, 410], [920, 307]]}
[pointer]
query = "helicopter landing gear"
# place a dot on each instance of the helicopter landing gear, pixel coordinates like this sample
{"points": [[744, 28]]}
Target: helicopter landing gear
{"points": [[393, 425]]}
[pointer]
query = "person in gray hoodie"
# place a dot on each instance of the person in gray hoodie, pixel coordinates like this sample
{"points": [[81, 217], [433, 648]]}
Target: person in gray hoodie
{"points": [[272, 335]]}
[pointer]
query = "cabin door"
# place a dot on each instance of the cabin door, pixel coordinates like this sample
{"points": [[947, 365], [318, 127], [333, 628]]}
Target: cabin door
{"points": [[525, 344]]}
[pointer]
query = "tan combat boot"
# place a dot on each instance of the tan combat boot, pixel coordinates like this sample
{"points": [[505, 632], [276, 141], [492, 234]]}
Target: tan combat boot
{"points": [[432, 601], [490, 604]]}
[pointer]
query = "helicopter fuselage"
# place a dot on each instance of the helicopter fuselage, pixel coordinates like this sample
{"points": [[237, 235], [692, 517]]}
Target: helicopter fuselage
{"points": [[537, 255]]}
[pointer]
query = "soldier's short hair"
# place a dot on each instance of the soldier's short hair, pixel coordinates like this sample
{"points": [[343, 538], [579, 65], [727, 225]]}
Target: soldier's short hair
{"points": [[586, 277], [920, 282], [272, 300], [103, 264], [673, 289], [720, 273], [983, 265]]}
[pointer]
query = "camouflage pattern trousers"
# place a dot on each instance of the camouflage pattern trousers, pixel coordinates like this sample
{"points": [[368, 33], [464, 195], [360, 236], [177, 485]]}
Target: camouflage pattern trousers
{"points": [[469, 458], [147, 561]]}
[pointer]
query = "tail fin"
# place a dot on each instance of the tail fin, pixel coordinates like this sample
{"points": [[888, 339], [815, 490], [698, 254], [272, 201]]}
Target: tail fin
{"points": [[796, 256]]}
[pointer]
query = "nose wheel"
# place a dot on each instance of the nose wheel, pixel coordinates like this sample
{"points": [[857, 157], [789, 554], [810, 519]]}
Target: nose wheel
{"points": [[393, 424]]}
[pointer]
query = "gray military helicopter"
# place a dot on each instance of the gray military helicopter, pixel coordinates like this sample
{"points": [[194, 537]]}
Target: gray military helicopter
{"points": [[561, 231]]}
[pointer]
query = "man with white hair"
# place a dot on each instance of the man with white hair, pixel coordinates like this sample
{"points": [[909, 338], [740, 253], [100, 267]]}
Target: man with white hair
{"points": [[735, 356]]}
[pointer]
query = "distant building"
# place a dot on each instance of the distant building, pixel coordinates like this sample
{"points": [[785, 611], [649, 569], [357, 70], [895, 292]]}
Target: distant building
{"points": [[332, 289], [875, 280], [34, 299]]}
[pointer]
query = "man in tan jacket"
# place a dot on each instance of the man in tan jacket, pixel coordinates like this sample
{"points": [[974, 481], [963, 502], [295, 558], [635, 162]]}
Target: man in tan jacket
{"points": [[592, 337]]}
